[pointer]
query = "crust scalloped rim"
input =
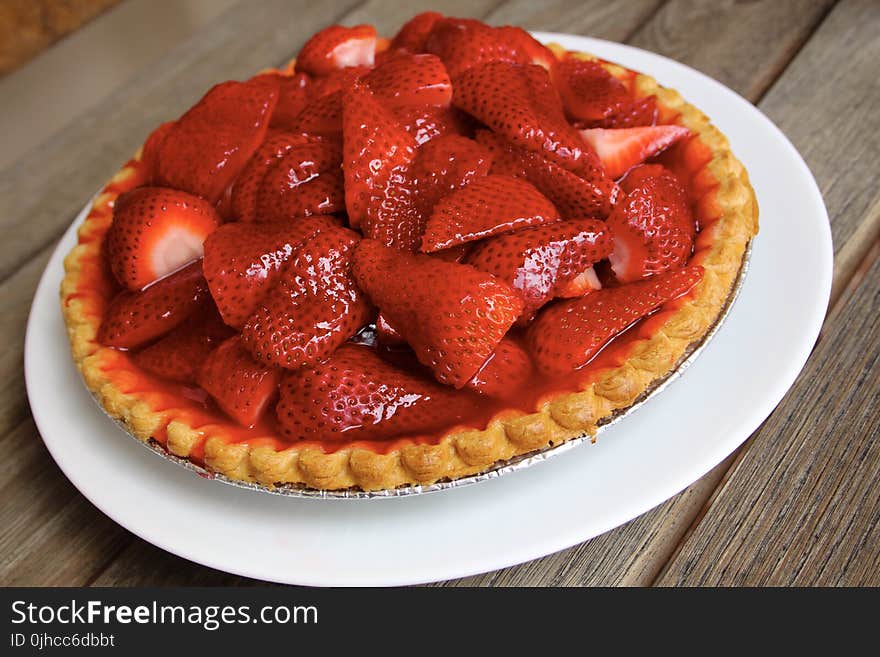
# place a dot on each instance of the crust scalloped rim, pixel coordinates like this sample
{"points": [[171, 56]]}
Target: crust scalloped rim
{"points": [[728, 196]]}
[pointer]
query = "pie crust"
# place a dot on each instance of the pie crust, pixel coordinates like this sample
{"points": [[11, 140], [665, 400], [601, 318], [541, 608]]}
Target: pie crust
{"points": [[725, 206]]}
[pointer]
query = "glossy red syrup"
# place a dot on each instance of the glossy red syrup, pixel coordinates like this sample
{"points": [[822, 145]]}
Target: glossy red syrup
{"points": [[194, 407]]}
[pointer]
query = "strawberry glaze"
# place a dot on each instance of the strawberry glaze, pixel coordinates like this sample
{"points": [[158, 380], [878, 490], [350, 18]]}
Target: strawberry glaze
{"points": [[192, 406]]}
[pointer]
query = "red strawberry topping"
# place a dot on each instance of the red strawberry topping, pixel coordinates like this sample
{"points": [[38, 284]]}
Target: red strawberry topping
{"points": [[631, 114], [538, 261], [293, 95], [244, 191], [404, 80], [568, 334], [375, 145], [522, 41], [452, 315], [386, 333], [337, 47], [356, 395], [179, 355], [653, 226], [584, 283], [209, 145], [589, 92], [590, 194], [150, 153], [440, 166], [621, 149], [519, 103], [156, 231], [313, 308], [322, 115], [306, 180], [414, 33], [134, 318], [242, 387], [425, 123], [487, 206], [505, 372], [243, 262], [462, 43]]}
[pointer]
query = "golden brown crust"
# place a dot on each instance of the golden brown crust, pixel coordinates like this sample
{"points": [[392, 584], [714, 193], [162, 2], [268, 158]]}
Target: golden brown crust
{"points": [[726, 194]]}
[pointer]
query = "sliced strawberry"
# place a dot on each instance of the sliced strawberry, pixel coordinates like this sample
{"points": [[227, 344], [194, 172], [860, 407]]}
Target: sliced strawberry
{"points": [[244, 191], [568, 334], [179, 355], [452, 315], [356, 395], [210, 144], [653, 226], [621, 149], [536, 261], [487, 206], [535, 51], [590, 194], [631, 114], [405, 80], [386, 333], [393, 214], [398, 217], [414, 33], [584, 283], [374, 146], [313, 308], [242, 387], [338, 80], [321, 116], [243, 262], [427, 122], [156, 231], [152, 146], [462, 43], [337, 47], [506, 371], [446, 164], [293, 96], [519, 103], [134, 318], [588, 91], [306, 180]]}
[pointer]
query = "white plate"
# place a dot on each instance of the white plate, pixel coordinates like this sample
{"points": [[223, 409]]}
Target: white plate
{"points": [[642, 461]]}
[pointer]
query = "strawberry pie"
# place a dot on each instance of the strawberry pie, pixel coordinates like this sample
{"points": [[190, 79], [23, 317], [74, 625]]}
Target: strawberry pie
{"points": [[398, 262]]}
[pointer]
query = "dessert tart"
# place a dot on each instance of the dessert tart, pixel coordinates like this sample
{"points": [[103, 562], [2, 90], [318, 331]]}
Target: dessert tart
{"points": [[402, 262]]}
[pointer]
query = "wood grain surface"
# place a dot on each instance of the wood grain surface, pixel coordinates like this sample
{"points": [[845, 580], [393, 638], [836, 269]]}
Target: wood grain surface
{"points": [[796, 505]]}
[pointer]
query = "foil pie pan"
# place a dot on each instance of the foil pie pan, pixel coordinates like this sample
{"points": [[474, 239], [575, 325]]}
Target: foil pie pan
{"points": [[500, 468]]}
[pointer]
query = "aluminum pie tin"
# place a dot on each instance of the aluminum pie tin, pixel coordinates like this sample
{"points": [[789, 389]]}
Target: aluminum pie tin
{"points": [[500, 468]]}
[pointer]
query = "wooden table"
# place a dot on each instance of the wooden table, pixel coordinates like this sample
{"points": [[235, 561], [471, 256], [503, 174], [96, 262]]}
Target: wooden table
{"points": [[799, 503]]}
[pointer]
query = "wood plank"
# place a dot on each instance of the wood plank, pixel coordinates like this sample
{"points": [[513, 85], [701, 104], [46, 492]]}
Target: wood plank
{"points": [[43, 191], [16, 294], [52, 536], [801, 507], [827, 105], [615, 21], [744, 45], [143, 564]]}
